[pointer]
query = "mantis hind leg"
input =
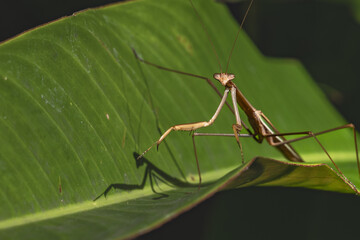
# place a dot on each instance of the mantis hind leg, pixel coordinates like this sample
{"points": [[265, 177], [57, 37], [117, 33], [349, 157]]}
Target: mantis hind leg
{"points": [[310, 134]]}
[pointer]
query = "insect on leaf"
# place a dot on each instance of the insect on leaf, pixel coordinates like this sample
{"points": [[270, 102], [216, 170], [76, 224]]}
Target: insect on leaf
{"points": [[76, 108]]}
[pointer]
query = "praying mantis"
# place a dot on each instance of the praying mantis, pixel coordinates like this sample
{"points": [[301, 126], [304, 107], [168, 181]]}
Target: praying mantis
{"points": [[261, 128]]}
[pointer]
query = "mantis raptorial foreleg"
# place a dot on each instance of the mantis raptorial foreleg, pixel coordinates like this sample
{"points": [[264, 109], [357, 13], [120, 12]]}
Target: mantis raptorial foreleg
{"points": [[190, 126], [237, 127]]}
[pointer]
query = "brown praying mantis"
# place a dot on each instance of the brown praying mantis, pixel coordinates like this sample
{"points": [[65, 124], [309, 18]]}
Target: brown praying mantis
{"points": [[262, 127]]}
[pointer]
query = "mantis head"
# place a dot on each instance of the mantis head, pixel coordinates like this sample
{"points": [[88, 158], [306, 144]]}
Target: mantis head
{"points": [[224, 78]]}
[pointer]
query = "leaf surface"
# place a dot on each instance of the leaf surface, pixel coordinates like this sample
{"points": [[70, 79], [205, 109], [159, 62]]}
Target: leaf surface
{"points": [[76, 104]]}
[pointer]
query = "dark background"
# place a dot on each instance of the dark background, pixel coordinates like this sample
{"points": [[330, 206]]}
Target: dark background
{"points": [[325, 37]]}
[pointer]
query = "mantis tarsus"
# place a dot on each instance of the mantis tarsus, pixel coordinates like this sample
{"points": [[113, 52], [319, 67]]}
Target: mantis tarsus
{"points": [[262, 128]]}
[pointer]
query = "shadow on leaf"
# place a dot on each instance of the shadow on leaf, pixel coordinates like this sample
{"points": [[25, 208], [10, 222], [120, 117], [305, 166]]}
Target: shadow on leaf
{"points": [[153, 173]]}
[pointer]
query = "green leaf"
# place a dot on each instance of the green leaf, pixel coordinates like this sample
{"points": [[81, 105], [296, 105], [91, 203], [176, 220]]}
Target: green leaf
{"points": [[76, 104]]}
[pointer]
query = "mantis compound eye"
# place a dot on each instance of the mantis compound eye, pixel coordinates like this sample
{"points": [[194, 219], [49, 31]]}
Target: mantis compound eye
{"points": [[231, 76], [217, 76]]}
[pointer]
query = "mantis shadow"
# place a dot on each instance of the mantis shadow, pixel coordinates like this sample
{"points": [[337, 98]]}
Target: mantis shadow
{"points": [[153, 173], [157, 123]]}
